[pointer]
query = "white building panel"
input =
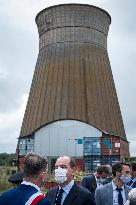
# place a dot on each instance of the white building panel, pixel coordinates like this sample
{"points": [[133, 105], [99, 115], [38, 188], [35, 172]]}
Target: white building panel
{"points": [[63, 138]]}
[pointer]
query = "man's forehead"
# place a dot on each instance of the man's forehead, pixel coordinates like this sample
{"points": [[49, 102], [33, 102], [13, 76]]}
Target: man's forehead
{"points": [[63, 160], [126, 167], [104, 174]]}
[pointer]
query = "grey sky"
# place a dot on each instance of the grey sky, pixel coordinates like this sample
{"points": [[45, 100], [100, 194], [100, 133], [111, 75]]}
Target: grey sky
{"points": [[19, 51]]}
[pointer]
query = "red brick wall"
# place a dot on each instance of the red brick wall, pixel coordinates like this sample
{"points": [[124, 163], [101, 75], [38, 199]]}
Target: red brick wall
{"points": [[119, 146], [124, 148], [21, 162], [79, 164]]}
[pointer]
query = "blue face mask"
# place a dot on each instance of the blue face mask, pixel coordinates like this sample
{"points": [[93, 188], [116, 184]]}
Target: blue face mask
{"points": [[102, 180], [125, 179]]}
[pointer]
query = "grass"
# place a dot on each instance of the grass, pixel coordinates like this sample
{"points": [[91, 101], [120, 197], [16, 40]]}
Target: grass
{"points": [[5, 172]]}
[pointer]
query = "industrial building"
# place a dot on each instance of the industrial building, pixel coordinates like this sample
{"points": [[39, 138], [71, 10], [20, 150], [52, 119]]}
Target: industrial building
{"points": [[73, 107]]}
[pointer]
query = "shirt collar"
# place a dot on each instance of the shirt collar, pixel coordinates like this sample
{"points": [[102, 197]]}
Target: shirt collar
{"points": [[31, 184], [96, 177], [68, 187], [114, 186]]}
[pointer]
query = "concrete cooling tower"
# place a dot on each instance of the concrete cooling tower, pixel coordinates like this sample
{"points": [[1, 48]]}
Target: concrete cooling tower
{"points": [[73, 107]]}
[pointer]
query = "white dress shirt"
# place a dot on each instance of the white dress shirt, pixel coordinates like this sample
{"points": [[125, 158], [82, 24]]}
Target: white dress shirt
{"points": [[115, 194], [98, 183]]}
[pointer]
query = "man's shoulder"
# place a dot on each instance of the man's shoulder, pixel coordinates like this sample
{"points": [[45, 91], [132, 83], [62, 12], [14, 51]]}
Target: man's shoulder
{"points": [[85, 194], [89, 177], [104, 187], [9, 195], [52, 190], [9, 192], [81, 190], [128, 188]]}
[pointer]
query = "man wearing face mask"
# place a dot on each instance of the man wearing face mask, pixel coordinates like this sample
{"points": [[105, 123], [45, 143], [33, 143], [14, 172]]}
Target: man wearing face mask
{"points": [[68, 192], [126, 178], [99, 178], [132, 182], [116, 192]]}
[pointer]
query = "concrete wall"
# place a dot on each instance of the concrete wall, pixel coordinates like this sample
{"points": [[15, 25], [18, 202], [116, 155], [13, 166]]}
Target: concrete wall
{"points": [[62, 138]]}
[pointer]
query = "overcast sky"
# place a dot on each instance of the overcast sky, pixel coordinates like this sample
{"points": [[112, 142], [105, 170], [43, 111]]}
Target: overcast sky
{"points": [[19, 51]]}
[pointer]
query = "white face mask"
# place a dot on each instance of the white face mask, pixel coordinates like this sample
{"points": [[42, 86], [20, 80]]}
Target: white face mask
{"points": [[60, 175]]}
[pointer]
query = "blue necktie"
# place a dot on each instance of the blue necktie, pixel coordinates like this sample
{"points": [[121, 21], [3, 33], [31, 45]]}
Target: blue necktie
{"points": [[120, 198], [59, 197]]}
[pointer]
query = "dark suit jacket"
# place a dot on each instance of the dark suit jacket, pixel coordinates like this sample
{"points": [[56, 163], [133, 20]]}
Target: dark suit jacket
{"points": [[77, 196], [89, 182], [132, 184]]}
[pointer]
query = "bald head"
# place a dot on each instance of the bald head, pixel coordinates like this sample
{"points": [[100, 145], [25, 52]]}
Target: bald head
{"points": [[68, 160], [67, 163]]}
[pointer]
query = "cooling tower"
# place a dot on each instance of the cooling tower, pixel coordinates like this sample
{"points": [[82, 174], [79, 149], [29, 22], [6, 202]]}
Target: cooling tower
{"points": [[73, 78]]}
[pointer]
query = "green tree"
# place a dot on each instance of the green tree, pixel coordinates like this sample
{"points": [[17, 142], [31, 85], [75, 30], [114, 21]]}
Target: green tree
{"points": [[7, 159]]}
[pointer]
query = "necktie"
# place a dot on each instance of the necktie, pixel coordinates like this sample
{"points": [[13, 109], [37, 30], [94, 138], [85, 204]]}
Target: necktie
{"points": [[59, 197], [120, 198]]}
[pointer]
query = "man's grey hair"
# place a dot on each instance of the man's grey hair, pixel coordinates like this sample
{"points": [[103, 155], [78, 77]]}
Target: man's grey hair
{"points": [[103, 168], [34, 164]]}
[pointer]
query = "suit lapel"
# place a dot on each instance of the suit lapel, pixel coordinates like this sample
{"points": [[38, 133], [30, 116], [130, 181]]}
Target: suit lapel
{"points": [[127, 189], [71, 195], [94, 184], [54, 195], [109, 194]]}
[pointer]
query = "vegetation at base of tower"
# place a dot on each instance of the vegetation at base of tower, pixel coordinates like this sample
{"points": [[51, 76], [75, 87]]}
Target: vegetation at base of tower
{"points": [[79, 175], [130, 159], [7, 159], [7, 168], [5, 172]]}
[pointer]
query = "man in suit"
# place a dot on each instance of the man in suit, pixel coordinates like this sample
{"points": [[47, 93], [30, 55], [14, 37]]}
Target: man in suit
{"points": [[99, 178], [126, 173], [68, 192], [28, 192], [115, 192], [132, 182]]}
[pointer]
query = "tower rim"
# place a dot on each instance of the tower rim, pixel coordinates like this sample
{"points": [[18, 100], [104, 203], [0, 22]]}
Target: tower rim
{"points": [[71, 4]]}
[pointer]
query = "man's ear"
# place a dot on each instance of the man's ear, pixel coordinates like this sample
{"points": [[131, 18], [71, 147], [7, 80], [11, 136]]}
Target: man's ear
{"points": [[73, 170]]}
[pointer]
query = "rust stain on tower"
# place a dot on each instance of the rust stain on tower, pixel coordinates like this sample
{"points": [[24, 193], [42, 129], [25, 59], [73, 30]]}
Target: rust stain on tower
{"points": [[73, 77]]}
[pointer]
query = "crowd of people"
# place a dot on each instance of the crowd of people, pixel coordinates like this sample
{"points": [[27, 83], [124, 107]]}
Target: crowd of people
{"points": [[114, 185]]}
